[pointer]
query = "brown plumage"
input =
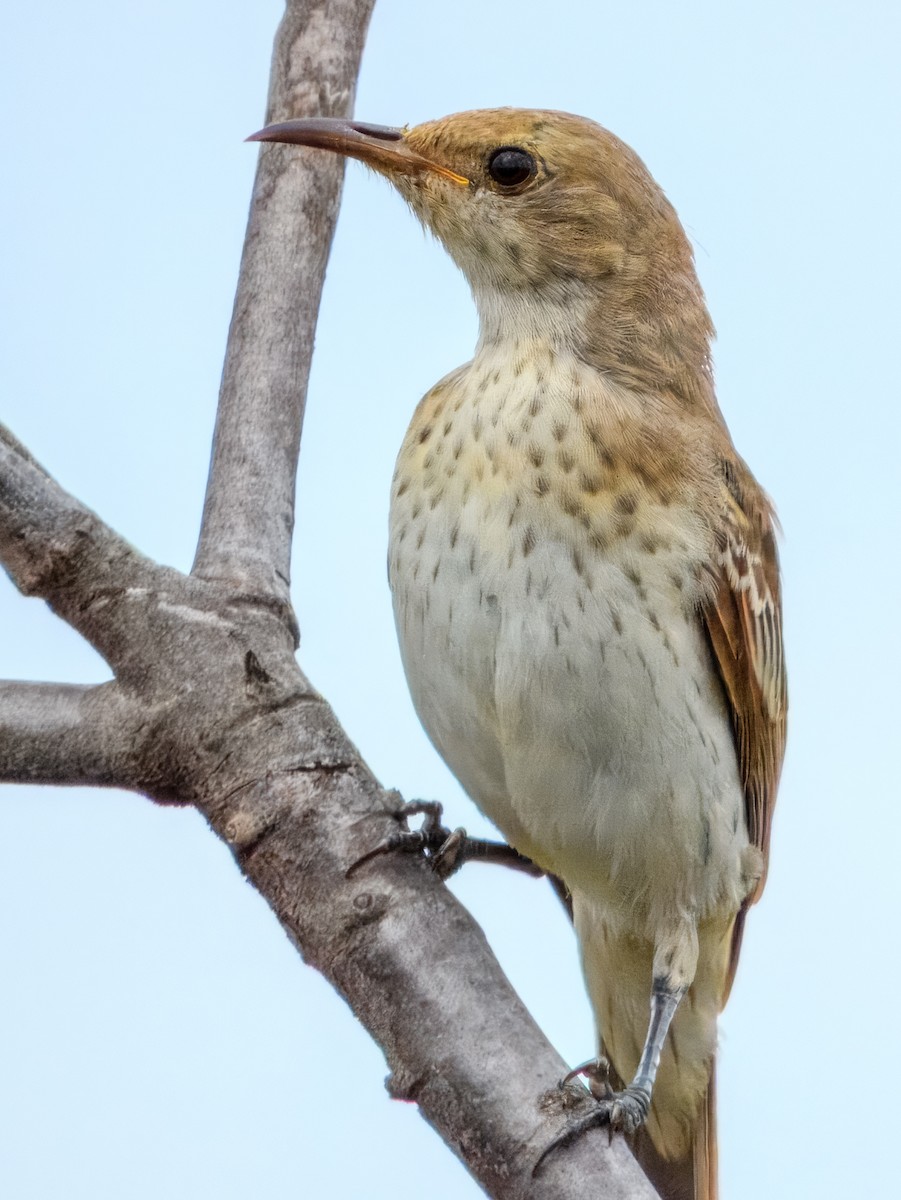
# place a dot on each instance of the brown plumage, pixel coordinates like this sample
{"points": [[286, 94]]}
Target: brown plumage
{"points": [[744, 621], [586, 585]]}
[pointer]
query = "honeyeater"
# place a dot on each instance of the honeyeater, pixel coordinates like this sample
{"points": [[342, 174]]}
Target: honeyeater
{"points": [[586, 585]]}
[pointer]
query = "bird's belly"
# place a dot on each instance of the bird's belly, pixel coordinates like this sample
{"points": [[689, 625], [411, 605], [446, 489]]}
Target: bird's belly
{"points": [[576, 702]]}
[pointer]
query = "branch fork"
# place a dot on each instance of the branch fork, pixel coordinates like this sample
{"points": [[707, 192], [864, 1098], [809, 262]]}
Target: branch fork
{"points": [[207, 705]]}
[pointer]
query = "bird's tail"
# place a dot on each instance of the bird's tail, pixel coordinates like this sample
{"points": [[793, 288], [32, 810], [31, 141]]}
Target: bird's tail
{"points": [[677, 1145], [694, 1175]]}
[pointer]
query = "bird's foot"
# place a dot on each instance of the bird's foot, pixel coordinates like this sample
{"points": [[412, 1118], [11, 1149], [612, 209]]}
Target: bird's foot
{"points": [[445, 850], [441, 847], [621, 1112]]}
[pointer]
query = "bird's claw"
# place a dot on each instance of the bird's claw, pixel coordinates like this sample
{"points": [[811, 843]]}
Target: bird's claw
{"points": [[620, 1112], [629, 1109], [596, 1073], [443, 848]]}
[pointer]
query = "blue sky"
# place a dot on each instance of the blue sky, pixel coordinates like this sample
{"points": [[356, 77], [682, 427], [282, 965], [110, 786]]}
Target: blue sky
{"points": [[159, 1035]]}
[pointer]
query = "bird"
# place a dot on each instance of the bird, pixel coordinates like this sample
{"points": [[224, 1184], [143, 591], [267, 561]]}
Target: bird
{"points": [[586, 587]]}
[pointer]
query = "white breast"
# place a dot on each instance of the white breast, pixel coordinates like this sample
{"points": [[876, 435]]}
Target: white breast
{"points": [[562, 673]]}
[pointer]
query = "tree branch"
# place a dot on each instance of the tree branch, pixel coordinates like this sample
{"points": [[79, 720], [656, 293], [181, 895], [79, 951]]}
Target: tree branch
{"points": [[248, 516], [417, 971], [53, 546], [216, 712], [64, 734]]}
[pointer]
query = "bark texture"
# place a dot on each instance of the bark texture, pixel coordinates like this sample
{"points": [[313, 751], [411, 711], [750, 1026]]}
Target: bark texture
{"points": [[209, 707]]}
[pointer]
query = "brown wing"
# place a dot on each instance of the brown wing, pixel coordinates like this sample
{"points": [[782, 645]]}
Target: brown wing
{"points": [[744, 621]]}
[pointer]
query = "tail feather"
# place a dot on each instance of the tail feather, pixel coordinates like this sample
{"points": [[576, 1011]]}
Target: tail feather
{"points": [[677, 1145], [704, 1145], [693, 1177]]}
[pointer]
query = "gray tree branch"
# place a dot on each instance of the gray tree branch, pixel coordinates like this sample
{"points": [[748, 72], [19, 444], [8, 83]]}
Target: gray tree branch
{"points": [[248, 516], [215, 712], [53, 546], [64, 734]]}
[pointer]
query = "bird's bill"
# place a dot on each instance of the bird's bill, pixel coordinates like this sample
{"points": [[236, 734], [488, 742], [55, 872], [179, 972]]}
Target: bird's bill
{"points": [[379, 146]]}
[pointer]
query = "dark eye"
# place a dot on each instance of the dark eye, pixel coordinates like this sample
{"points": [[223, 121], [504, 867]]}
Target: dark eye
{"points": [[509, 166]]}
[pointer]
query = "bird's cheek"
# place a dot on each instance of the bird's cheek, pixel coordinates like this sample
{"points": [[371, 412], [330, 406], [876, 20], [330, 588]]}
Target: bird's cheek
{"points": [[425, 196]]}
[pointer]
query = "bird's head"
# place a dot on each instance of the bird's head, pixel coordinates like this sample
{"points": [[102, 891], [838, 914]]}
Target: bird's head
{"points": [[551, 218]]}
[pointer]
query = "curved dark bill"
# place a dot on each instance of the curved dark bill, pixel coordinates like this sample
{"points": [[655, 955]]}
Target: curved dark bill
{"points": [[379, 146], [330, 133]]}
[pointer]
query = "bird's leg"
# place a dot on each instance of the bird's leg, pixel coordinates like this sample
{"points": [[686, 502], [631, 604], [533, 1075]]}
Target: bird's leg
{"points": [[446, 850], [675, 960], [664, 1003]]}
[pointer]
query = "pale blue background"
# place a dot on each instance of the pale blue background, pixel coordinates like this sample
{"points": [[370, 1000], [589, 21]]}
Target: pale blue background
{"points": [[160, 1038]]}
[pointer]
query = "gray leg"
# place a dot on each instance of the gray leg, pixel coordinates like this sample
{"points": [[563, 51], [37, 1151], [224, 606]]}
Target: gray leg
{"points": [[625, 1111], [664, 1002]]}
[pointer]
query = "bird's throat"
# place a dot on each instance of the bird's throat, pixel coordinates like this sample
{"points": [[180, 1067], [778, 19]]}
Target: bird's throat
{"points": [[556, 319]]}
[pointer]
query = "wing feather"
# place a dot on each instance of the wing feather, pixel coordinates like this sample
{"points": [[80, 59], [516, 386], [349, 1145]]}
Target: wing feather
{"points": [[744, 623]]}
